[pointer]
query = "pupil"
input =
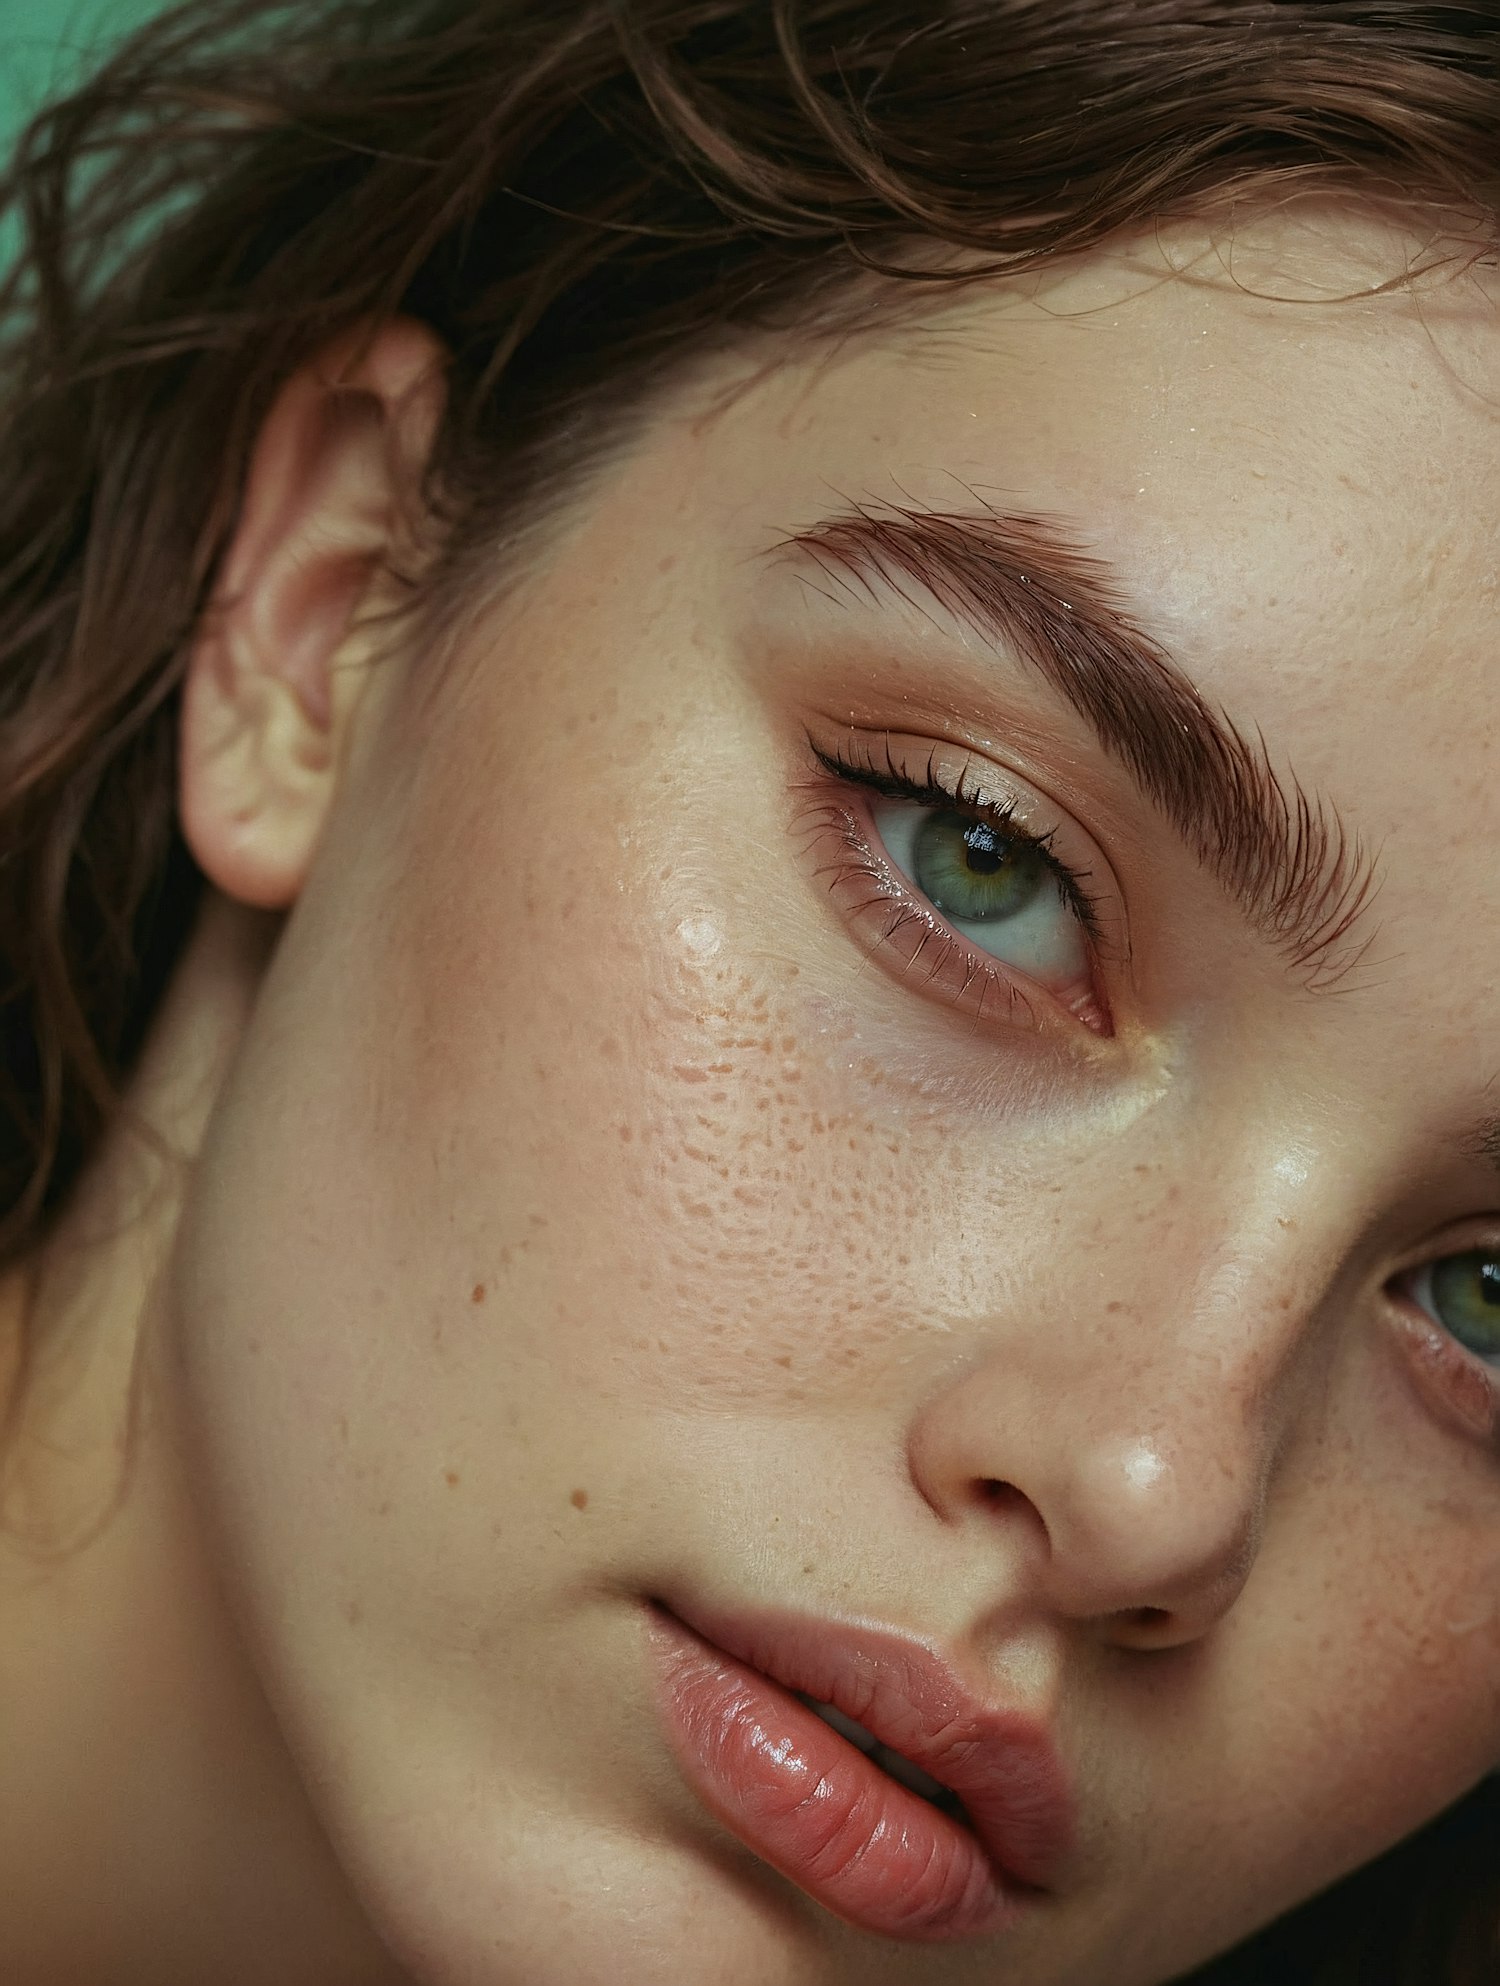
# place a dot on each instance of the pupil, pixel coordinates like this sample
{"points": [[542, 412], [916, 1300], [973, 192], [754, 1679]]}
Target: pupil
{"points": [[1489, 1282], [984, 854]]}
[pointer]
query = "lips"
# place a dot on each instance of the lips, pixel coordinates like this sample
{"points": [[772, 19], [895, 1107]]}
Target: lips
{"points": [[809, 1801]]}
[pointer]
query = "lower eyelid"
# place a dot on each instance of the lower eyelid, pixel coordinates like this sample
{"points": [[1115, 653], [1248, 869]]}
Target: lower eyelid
{"points": [[1464, 1390]]}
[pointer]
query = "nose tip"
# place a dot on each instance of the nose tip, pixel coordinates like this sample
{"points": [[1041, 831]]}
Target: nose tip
{"points": [[1144, 1550]]}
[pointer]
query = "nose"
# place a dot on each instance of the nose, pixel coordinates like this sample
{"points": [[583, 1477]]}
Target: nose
{"points": [[1125, 1457]]}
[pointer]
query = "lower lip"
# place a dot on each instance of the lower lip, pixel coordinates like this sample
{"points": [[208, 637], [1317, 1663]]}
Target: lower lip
{"points": [[815, 1808]]}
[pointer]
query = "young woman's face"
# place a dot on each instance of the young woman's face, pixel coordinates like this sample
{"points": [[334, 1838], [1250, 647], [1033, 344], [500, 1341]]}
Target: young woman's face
{"points": [[806, 1096]]}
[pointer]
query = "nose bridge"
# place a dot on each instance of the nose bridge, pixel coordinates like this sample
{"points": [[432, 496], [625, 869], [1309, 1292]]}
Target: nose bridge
{"points": [[1136, 1416]]}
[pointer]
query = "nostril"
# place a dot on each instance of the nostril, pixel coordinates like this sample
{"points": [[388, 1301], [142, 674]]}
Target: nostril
{"points": [[1145, 1628], [999, 1496], [1148, 1617]]}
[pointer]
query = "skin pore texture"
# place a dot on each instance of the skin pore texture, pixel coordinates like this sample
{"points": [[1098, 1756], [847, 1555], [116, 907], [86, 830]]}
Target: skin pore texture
{"points": [[589, 1197]]}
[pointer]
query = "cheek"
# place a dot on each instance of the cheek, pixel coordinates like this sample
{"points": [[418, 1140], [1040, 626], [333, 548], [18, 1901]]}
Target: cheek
{"points": [[638, 1114], [714, 1207], [1372, 1653]]}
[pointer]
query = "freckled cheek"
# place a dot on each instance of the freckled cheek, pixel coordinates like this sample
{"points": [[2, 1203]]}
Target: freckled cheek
{"points": [[727, 1215], [1409, 1678]]}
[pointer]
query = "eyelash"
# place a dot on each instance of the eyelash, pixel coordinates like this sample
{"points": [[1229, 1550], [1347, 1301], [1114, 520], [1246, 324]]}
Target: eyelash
{"points": [[896, 892], [929, 791]]}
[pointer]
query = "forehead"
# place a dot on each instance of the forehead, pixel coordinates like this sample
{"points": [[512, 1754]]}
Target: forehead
{"points": [[1289, 458], [1283, 466]]}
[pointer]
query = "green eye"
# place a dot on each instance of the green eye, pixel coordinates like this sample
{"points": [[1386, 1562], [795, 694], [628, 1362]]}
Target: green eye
{"points": [[998, 887], [975, 873], [1462, 1292]]}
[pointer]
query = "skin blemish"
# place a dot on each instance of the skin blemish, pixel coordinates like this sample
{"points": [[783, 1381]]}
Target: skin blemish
{"points": [[477, 1294], [451, 1478], [579, 1499]]}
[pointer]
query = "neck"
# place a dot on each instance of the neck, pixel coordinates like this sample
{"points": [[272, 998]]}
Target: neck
{"points": [[152, 1824]]}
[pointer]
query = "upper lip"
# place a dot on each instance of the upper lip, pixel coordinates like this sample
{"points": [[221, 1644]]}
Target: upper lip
{"points": [[999, 1762]]}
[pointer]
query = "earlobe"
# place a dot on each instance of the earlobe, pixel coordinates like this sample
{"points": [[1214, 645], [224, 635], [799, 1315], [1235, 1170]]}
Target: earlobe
{"points": [[278, 665]]}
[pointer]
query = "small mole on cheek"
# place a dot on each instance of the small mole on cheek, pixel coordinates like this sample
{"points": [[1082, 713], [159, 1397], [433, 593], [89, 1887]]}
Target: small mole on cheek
{"points": [[579, 1499], [477, 1293], [451, 1478]]}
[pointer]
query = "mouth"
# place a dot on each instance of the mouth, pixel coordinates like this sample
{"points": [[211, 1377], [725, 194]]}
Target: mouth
{"points": [[902, 1770], [854, 1761]]}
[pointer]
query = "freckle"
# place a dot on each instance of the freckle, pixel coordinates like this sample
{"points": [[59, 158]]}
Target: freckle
{"points": [[579, 1499], [1111, 1308], [354, 1613], [537, 1220], [783, 1359], [505, 1258], [609, 1048], [686, 1075], [626, 1134], [665, 565], [253, 1347], [451, 1478], [476, 1295], [343, 1427], [385, 1509], [808, 1570]]}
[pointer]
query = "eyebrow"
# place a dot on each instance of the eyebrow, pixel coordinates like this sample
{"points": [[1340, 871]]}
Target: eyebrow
{"points": [[1030, 584]]}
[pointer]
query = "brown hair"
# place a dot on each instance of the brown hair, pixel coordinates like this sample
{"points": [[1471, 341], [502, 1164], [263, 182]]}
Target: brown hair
{"points": [[574, 193]]}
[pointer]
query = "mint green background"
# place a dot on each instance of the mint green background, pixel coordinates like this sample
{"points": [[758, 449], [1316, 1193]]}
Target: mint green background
{"points": [[46, 44]]}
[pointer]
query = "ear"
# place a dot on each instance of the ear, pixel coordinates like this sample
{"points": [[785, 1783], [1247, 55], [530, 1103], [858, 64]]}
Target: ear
{"points": [[276, 670]]}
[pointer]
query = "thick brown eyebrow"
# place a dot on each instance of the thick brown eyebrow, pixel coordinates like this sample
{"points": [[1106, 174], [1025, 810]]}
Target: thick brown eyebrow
{"points": [[1030, 584]]}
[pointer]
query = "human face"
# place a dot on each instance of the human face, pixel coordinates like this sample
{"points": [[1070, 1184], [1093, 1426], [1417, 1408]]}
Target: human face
{"points": [[634, 1202]]}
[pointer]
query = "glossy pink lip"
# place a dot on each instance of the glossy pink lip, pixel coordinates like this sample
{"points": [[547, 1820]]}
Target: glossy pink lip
{"points": [[811, 1804]]}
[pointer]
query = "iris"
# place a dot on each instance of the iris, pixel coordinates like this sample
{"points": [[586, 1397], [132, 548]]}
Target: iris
{"points": [[1465, 1292], [975, 873]]}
